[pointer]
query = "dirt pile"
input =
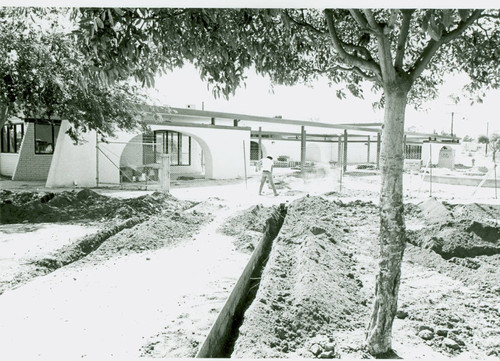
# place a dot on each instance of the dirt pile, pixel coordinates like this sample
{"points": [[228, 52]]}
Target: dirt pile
{"points": [[133, 235], [156, 232], [307, 290], [85, 204], [247, 227], [458, 231], [450, 316]]}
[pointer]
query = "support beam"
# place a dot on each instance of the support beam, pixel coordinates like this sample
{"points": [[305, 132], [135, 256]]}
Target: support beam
{"points": [[302, 148], [165, 173], [260, 155], [339, 152], [368, 151], [404, 147], [345, 149], [378, 150]]}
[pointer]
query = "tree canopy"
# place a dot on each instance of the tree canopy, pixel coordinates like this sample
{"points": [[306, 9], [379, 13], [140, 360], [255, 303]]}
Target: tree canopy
{"points": [[44, 75], [296, 45]]}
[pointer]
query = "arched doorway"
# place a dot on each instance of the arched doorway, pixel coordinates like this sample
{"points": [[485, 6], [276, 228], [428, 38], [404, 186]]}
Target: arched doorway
{"points": [[140, 159], [254, 151]]}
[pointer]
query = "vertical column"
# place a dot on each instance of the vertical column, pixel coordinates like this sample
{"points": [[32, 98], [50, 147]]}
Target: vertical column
{"points": [[260, 155], [404, 147], [96, 160], [339, 151], [302, 148], [212, 121], [345, 150], [165, 173], [378, 150], [368, 151]]}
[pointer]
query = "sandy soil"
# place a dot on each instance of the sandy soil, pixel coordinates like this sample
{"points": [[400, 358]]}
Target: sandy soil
{"points": [[20, 243], [155, 289]]}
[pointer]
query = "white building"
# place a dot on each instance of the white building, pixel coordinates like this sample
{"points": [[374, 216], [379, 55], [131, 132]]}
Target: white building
{"points": [[201, 144]]}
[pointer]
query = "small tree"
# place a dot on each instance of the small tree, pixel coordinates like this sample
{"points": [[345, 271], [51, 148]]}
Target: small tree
{"points": [[404, 53], [483, 139], [494, 143]]}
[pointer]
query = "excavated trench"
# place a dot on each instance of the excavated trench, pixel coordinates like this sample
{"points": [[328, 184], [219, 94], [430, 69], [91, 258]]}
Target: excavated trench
{"points": [[297, 291], [224, 333]]}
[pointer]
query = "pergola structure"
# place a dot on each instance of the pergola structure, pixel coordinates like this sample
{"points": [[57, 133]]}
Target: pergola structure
{"points": [[341, 133]]}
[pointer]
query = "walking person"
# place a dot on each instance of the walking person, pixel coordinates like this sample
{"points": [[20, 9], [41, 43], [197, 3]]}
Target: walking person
{"points": [[267, 173]]}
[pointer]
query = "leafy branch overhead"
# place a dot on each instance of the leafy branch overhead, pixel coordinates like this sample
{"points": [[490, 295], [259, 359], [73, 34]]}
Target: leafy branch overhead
{"points": [[348, 46], [43, 74]]}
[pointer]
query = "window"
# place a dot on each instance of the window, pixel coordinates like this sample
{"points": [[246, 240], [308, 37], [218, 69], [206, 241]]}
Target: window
{"points": [[45, 136], [413, 152], [11, 138], [176, 144]]}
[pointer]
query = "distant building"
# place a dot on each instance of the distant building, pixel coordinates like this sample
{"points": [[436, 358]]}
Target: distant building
{"points": [[200, 144]]}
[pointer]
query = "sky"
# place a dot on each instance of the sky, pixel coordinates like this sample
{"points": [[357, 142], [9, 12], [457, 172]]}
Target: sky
{"points": [[319, 102]]}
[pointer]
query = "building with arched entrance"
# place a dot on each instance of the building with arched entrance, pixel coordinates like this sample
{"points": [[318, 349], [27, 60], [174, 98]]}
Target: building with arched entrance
{"points": [[200, 144], [195, 150]]}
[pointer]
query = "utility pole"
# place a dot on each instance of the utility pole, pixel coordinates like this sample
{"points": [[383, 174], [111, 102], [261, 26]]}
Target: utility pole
{"points": [[452, 124], [487, 136]]}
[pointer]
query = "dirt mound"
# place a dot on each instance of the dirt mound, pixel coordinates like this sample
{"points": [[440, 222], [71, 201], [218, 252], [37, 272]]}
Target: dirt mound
{"points": [[435, 212], [486, 213], [461, 231], [85, 204], [307, 290], [247, 227], [133, 235], [156, 232]]}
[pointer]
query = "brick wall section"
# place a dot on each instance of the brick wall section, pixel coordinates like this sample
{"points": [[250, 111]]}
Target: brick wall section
{"points": [[31, 166]]}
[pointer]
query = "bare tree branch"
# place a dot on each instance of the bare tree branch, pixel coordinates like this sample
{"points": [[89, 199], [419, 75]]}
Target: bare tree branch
{"points": [[359, 17], [371, 21], [338, 67], [403, 36], [433, 45], [350, 59], [360, 49], [455, 33], [384, 47]]}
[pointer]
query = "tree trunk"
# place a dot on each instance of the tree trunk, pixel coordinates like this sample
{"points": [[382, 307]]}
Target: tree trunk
{"points": [[3, 114], [392, 227]]}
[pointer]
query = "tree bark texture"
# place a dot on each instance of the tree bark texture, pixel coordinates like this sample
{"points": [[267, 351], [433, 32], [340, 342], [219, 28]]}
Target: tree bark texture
{"points": [[392, 227], [3, 115]]}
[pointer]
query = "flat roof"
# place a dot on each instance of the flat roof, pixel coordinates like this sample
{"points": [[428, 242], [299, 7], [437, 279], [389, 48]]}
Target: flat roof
{"points": [[187, 114]]}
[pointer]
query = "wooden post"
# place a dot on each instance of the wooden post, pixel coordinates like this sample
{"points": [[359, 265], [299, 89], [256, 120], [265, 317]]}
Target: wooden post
{"points": [[339, 151], [430, 169], [165, 173], [404, 147], [378, 150], [302, 148], [97, 160], [245, 164], [368, 151], [345, 150], [260, 155]]}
